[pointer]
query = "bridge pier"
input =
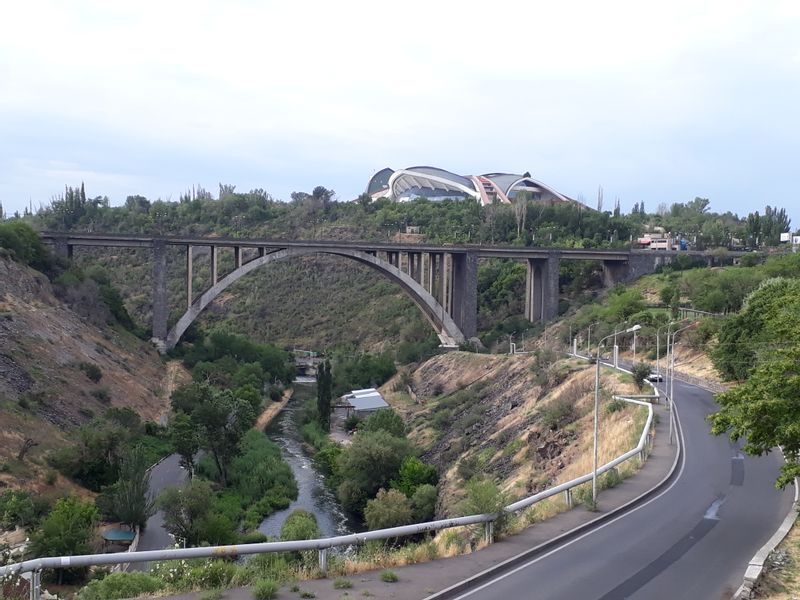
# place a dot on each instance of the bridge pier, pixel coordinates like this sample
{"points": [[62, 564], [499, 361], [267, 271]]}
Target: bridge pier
{"points": [[541, 289], [465, 292], [62, 247], [160, 300]]}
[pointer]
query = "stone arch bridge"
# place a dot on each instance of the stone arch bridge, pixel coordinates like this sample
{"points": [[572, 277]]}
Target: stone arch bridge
{"points": [[440, 280]]}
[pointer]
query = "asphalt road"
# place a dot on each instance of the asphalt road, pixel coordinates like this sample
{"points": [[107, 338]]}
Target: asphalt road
{"points": [[153, 537], [693, 540]]}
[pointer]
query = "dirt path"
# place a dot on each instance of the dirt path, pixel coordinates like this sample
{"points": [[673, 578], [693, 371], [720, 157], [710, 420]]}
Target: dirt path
{"points": [[272, 409], [175, 376]]}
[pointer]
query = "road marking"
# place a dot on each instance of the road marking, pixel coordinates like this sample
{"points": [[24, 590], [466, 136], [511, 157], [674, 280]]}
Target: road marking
{"points": [[588, 533]]}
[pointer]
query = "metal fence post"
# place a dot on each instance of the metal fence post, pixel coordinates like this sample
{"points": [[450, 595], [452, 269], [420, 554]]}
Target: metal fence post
{"points": [[36, 585], [323, 560], [568, 497], [488, 531]]}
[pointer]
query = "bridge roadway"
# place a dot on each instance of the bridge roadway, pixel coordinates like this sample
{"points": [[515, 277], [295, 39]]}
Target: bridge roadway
{"points": [[693, 541], [147, 241]]}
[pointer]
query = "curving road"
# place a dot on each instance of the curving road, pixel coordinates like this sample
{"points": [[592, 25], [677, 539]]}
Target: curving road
{"points": [[693, 540]]}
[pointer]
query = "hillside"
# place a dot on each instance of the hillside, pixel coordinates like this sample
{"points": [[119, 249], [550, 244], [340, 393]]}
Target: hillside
{"points": [[524, 419], [47, 352]]}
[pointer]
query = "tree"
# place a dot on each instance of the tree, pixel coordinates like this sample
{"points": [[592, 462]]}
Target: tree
{"points": [[390, 508], [130, 495], [185, 508], [423, 502], [765, 411], [369, 464], [384, 419], [222, 421], [185, 440], [324, 395], [67, 530], [414, 473]]}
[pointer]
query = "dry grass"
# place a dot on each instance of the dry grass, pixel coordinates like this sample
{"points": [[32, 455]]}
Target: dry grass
{"points": [[784, 584]]}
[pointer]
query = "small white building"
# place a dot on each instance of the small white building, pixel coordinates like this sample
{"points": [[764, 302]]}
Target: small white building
{"points": [[363, 403]]}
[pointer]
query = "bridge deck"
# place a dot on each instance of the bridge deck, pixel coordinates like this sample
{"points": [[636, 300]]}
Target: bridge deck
{"points": [[146, 241]]}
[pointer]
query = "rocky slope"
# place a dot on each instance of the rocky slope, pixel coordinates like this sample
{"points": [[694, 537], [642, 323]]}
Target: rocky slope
{"points": [[525, 420], [46, 351]]}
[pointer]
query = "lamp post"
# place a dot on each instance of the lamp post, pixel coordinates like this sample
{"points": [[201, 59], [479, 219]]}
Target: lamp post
{"points": [[671, 362], [589, 339], [597, 403], [658, 348]]}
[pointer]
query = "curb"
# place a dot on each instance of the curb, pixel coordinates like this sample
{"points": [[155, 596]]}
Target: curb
{"points": [[491, 572], [755, 568]]}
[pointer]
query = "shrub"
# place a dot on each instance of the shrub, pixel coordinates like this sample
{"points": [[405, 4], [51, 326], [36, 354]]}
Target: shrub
{"points": [[484, 497], [385, 419], [640, 371], [101, 395], [253, 537], [389, 576], [557, 413], [351, 422], [389, 509], [120, 585], [91, 370], [300, 525], [265, 589], [423, 502], [340, 583]]}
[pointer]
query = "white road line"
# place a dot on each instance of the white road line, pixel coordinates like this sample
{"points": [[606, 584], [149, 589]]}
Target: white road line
{"points": [[588, 533]]}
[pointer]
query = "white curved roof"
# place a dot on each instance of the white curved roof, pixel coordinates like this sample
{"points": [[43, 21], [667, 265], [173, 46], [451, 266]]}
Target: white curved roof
{"points": [[432, 182]]}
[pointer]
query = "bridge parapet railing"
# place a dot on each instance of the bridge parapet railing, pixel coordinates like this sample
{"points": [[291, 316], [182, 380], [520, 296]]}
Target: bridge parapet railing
{"points": [[322, 545]]}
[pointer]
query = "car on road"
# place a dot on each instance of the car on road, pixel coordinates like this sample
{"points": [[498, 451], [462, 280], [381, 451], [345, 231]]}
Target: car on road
{"points": [[655, 377]]}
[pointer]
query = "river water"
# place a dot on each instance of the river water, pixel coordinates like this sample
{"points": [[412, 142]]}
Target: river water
{"points": [[312, 494]]}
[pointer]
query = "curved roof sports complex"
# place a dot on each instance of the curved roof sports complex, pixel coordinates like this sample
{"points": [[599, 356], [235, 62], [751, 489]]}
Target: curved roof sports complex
{"points": [[437, 184]]}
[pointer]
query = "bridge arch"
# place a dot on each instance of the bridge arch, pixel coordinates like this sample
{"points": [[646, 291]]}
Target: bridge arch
{"points": [[447, 330]]}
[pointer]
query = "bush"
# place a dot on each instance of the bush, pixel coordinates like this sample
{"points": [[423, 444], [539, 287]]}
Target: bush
{"points": [[120, 585], [265, 589], [640, 371], [389, 576], [385, 419], [91, 370], [423, 502], [300, 525], [389, 509], [557, 413], [340, 583]]}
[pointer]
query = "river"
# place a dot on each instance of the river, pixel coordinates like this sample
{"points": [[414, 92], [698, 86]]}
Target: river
{"points": [[312, 494]]}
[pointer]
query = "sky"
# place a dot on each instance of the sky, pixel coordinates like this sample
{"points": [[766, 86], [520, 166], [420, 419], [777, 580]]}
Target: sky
{"points": [[655, 103]]}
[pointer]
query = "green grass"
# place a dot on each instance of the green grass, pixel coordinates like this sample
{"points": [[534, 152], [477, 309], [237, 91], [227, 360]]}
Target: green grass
{"points": [[340, 583], [265, 589], [389, 577]]}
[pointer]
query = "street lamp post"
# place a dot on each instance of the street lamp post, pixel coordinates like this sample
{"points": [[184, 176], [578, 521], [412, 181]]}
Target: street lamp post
{"points": [[671, 362], [589, 339], [633, 329]]}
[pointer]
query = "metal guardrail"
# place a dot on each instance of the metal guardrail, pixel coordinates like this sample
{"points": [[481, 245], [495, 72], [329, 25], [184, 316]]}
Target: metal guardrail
{"points": [[35, 566]]}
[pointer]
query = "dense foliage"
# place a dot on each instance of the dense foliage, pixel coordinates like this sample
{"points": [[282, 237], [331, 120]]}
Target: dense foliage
{"points": [[762, 345]]}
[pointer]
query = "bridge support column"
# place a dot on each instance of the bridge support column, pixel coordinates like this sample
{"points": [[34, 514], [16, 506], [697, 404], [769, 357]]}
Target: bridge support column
{"points": [[237, 257], [446, 291], [213, 259], [189, 275], [160, 300], [614, 272], [533, 291], [541, 289], [62, 248], [465, 293]]}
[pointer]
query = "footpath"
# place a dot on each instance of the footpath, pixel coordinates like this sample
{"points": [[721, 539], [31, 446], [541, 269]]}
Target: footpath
{"points": [[424, 580]]}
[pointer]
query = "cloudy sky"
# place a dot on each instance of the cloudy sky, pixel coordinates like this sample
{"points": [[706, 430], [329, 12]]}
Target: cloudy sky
{"points": [[656, 104]]}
